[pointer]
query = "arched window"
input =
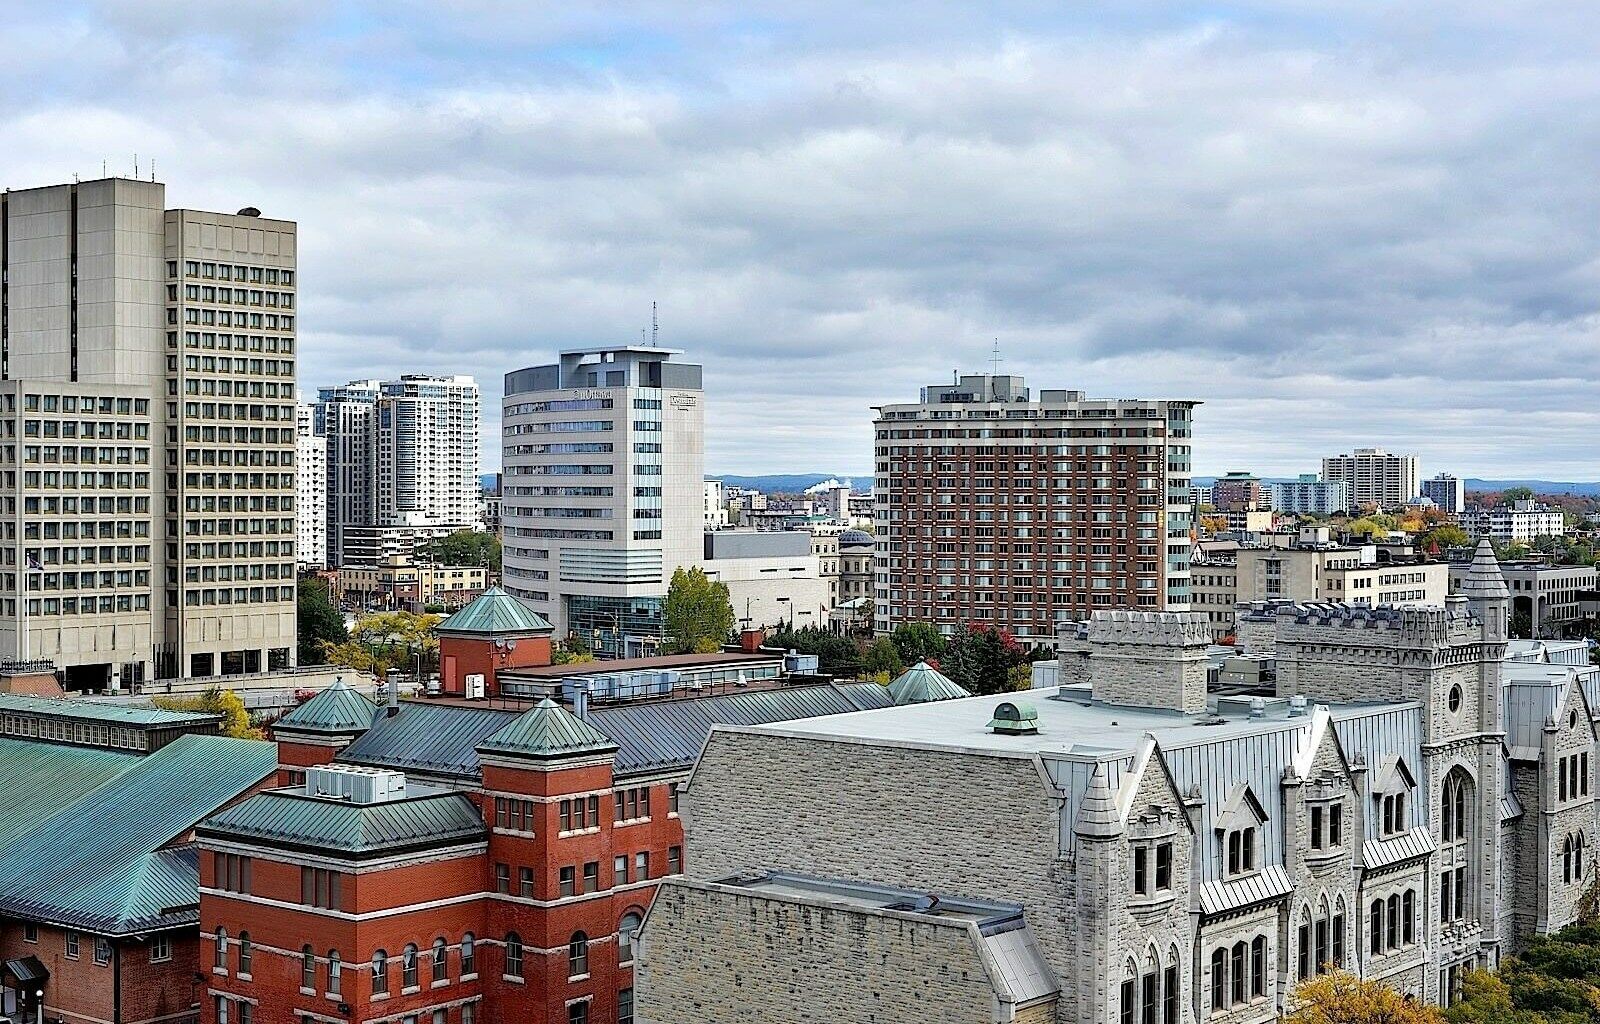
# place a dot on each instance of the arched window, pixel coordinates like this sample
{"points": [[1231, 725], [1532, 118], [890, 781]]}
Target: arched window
{"points": [[513, 955], [408, 966], [380, 972], [441, 962], [334, 967], [625, 935], [578, 955], [308, 969], [1219, 979], [244, 952], [221, 959], [469, 956], [1236, 969], [1258, 966]]}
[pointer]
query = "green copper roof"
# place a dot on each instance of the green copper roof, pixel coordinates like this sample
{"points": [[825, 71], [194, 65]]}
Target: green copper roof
{"points": [[495, 611], [548, 730], [288, 817], [921, 683], [338, 709], [106, 862]]}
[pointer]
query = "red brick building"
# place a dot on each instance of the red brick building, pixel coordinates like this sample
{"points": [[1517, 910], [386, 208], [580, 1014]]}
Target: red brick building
{"points": [[461, 862]]}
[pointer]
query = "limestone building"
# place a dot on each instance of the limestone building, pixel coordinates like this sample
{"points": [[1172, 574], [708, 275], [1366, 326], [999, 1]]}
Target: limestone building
{"points": [[147, 435], [1407, 806]]}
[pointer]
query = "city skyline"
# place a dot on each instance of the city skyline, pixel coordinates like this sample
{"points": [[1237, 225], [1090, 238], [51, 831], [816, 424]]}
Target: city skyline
{"points": [[1321, 214]]}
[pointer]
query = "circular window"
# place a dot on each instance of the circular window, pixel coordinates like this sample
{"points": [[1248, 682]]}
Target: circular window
{"points": [[1455, 699]]}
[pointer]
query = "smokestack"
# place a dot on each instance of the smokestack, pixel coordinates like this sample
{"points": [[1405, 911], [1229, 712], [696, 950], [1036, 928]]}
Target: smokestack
{"points": [[392, 685]]}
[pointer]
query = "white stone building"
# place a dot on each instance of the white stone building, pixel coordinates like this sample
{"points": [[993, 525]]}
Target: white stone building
{"points": [[311, 490], [1408, 805], [603, 489], [1375, 477], [147, 367]]}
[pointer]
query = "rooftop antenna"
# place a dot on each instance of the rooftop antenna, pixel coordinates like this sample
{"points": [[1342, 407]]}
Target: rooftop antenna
{"points": [[655, 325]]}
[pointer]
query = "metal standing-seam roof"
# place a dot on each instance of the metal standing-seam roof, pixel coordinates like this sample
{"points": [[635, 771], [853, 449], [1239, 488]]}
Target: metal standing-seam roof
{"points": [[495, 612], [338, 709], [548, 730], [288, 817], [107, 862]]}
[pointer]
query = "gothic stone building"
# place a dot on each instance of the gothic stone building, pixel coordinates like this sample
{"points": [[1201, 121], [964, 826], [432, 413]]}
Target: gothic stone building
{"points": [[1406, 807]]}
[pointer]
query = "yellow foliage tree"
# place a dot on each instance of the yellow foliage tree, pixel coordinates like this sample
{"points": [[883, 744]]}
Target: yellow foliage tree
{"points": [[388, 640], [1342, 998], [235, 718]]}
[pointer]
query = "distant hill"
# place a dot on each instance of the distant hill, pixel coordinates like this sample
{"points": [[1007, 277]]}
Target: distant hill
{"points": [[788, 483]]}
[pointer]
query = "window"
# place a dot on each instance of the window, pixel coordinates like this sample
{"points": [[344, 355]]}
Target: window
{"points": [[220, 961], [380, 973], [308, 969], [514, 955], [160, 947], [408, 966], [102, 951], [578, 1013], [469, 956], [334, 970], [441, 960], [625, 1006], [577, 955], [244, 953], [625, 934]]}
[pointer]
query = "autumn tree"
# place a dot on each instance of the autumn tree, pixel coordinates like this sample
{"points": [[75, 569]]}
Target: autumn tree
{"points": [[1342, 998], [697, 617]]}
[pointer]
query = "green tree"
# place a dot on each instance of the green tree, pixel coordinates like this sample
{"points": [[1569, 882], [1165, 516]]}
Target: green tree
{"points": [[318, 622], [697, 616], [918, 641], [464, 547], [235, 718], [881, 656], [386, 640]]}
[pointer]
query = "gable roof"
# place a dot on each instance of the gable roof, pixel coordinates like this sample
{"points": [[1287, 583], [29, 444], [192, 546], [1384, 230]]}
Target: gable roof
{"points": [[288, 817], [115, 860], [493, 613], [338, 709], [548, 731]]}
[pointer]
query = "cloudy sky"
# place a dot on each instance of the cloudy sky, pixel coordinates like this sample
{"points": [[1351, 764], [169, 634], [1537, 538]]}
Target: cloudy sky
{"points": [[1354, 222]]}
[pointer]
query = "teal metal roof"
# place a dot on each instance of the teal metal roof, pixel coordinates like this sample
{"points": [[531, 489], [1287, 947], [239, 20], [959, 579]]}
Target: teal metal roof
{"points": [[38, 779], [548, 730], [116, 859], [96, 711], [921, 683], [288, 817], [338, 709], [495, 612]]}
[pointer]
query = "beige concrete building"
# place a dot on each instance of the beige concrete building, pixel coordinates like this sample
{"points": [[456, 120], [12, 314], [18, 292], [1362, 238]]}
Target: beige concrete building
{"points": [[148, 366]]}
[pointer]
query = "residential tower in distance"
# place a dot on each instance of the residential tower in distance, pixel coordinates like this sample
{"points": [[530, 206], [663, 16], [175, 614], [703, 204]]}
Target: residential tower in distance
{"points": [[997, 507]]}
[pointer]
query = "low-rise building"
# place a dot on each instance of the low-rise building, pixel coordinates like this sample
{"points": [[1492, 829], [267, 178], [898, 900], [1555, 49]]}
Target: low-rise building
{"points": [[1520, 522]]}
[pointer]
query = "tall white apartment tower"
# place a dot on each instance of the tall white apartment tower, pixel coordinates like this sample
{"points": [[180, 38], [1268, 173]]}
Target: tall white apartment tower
{"points": [[996, 507], [147, 438], [603, 489], [311, 489], [1376, 477]]}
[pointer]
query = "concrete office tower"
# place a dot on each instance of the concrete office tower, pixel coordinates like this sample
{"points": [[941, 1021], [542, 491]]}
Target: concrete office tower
{"points": [[996, 507], [1376, 477], [603, 489], [164, 546], [311, 489], [1447, 492]]}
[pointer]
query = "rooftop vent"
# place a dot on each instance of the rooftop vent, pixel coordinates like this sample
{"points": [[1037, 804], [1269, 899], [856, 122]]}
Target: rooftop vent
{"points": [[1014, 718]]}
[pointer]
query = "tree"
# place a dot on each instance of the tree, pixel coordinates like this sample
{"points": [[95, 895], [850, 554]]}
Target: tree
{"points": [[881, 657], [318, 622], [698, 617], [235, 717], [386, 640], [918, 641], [1342, 998], [464, 547]]}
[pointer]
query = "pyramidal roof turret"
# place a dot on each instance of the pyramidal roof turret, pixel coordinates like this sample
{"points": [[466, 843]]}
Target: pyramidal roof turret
{"points": [[1484, 581], [548, 731]]}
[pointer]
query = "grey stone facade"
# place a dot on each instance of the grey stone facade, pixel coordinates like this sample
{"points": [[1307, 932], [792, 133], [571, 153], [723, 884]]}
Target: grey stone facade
{"points": [[1421, 809]]}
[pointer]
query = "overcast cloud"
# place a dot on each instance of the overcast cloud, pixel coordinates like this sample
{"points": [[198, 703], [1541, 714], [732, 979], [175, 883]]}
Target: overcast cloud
{"points": [[1337, 224]]}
